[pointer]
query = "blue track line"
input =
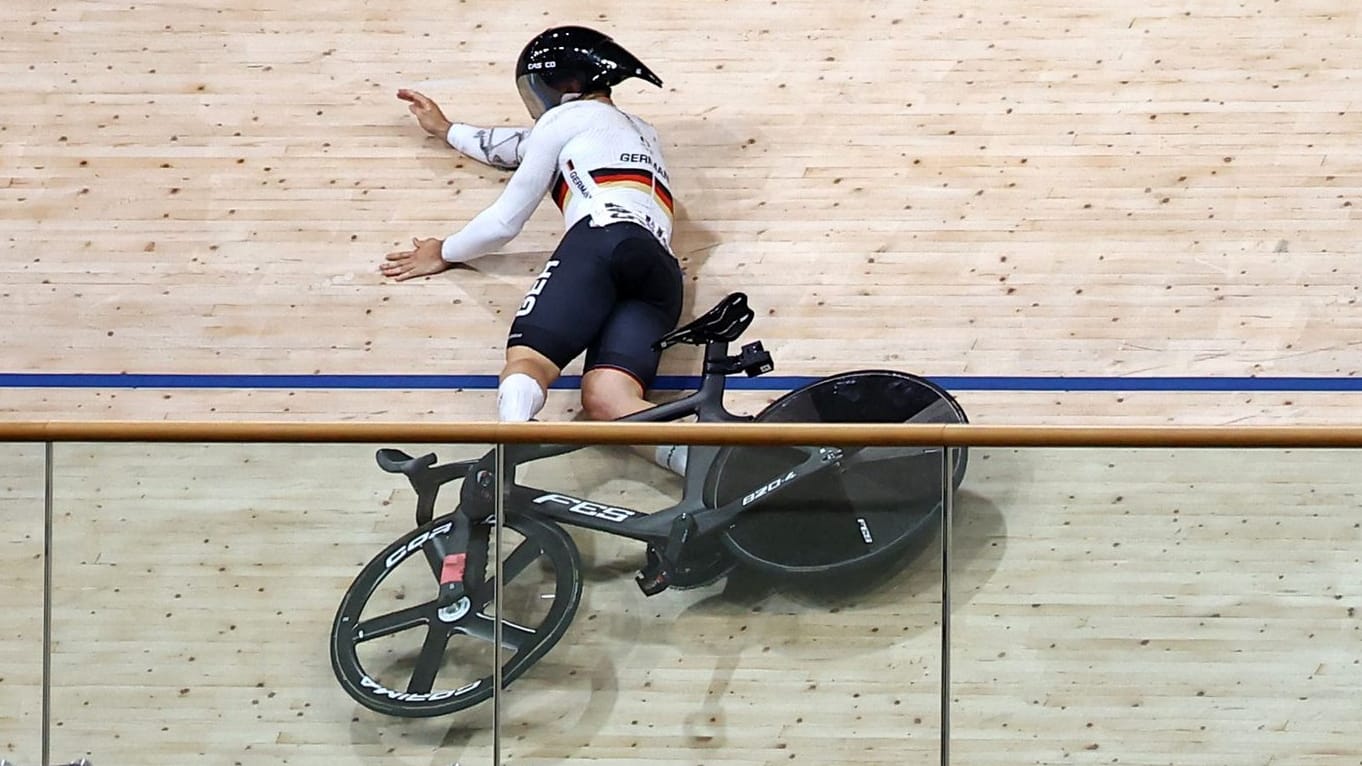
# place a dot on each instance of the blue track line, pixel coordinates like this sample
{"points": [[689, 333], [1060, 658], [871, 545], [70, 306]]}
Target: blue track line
{"points": [[667, 382]]}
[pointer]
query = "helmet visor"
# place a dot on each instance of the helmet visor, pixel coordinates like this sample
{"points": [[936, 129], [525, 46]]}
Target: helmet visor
{"points": [[538, 95]]}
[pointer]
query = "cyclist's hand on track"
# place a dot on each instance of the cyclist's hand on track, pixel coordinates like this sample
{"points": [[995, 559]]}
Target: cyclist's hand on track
{"points": [[422, 260], [428, 114]]}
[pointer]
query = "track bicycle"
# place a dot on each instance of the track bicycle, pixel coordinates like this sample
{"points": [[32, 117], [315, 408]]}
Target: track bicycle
{"points": [[812, 512]]}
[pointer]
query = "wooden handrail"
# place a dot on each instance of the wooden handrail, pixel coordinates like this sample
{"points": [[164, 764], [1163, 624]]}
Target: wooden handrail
{"points": [[877, 434]]}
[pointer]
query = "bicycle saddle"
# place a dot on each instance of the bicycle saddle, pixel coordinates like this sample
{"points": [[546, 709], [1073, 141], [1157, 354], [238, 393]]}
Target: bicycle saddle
{"points": [[725, 322]]}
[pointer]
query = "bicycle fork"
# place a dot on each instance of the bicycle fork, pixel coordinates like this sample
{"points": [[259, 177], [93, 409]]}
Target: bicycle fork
{"points": [[459, 565]]}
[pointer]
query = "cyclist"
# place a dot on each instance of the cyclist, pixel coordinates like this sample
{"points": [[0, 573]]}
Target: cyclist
{"points": [[612, 286]]}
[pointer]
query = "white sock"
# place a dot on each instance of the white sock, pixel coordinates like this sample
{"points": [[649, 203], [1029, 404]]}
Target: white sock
{"points": [[672, 457], [519, 398]]}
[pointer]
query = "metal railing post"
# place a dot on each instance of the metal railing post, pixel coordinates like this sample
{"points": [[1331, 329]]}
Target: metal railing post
{"points": [[46, 722], [947, 514], [498, 517]]}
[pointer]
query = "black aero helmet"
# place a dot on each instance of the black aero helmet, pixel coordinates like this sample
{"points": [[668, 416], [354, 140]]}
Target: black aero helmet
{"points": [[565, 60]]}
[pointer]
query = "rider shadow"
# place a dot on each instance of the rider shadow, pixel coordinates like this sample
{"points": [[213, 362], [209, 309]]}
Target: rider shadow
{"points": [[692, 243], [501, 281]]}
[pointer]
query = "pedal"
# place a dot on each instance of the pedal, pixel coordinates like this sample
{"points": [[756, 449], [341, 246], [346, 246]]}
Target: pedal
{"points": [[651, 586], [655, 576]]}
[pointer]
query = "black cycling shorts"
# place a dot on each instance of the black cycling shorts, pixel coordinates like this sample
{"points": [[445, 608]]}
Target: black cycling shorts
{"points": [[607, 290]]}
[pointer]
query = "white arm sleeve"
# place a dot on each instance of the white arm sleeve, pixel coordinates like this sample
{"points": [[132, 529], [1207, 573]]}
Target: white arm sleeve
{"points": [[491, 229], [502, 148]]}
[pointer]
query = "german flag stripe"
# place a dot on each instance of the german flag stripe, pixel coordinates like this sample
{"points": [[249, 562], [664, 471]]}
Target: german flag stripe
{"points": [[633, 176], [665, 195], [607, 176], [560, 191]]}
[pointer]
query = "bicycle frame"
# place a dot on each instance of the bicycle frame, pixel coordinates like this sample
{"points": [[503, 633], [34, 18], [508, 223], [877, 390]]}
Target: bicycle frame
{"points": [[658, 526]]}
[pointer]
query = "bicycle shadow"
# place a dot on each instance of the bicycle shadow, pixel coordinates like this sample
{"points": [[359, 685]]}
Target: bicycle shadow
{"points": [[978, 538], [548, 699], [812, 623]]}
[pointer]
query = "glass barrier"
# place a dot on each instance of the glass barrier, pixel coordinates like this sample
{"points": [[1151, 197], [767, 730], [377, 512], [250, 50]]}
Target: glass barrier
{"points": [[794, 612], [195, 592], [1156, 606], [1195, 606], [21, 601]]}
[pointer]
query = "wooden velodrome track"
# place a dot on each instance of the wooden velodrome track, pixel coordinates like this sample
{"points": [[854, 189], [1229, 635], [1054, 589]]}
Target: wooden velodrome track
{"points": [[989, 192]]}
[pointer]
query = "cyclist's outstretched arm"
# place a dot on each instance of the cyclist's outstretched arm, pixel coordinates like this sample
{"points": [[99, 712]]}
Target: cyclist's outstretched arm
{"points": [[501, 148]]}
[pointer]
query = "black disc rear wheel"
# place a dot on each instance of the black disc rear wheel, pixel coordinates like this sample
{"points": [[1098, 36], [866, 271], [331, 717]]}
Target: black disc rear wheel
{"points": [[881, 504], [394, 650]]}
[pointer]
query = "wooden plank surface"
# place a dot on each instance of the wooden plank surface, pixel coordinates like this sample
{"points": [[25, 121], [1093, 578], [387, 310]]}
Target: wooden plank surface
{"points": [[1152, 606], [21, 599], [1023, 190], [1031, 188]]}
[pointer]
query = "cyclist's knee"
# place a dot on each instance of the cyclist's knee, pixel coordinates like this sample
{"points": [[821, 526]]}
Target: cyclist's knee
{"points": [[603, 405], [527, 361], [608, 394]]}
